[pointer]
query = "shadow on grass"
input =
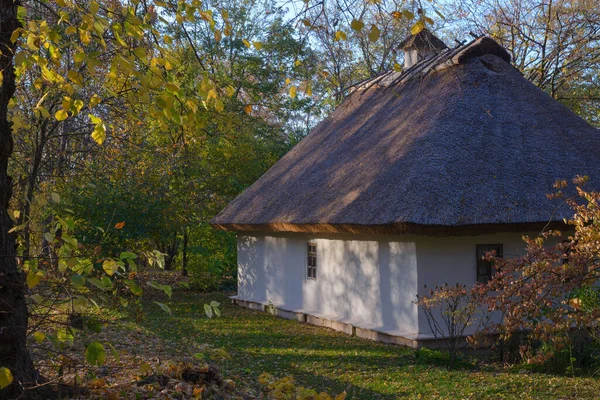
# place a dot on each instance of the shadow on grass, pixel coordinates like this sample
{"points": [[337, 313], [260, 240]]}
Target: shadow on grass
{"points": [[316, 357]]}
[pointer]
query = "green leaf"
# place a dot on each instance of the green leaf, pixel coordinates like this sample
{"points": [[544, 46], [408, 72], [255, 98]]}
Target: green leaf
{"points": [[80, 303], [126, 255], [6, 377], [215, 304], [164, 307], [49, 237], [95, 354], [134, 287], [97, 283], [64, 335], [208, 311], [155, 285], [55, 197], [114, 353], [77, 280]]}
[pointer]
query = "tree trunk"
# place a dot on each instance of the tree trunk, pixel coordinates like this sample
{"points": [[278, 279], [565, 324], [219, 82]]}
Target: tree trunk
{"points": [[184, 252], [169, 249], [13, 309]]}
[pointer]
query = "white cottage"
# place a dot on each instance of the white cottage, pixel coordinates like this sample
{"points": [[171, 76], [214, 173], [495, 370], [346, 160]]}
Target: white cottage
{"points": [[407, 183]]}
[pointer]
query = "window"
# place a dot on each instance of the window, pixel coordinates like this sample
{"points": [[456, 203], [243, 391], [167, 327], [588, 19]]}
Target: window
{"points": [[311, 260], [485, 268]]}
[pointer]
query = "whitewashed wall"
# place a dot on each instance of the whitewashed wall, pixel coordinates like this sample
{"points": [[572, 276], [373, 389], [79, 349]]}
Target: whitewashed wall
{"points": [[371, 282]]}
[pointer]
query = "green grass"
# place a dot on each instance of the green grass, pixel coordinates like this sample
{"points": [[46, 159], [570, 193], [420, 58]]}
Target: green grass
{"points": [[326, 360]]}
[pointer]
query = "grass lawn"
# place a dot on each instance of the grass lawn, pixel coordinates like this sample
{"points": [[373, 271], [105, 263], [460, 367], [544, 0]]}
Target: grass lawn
{"points": [[327, 360]]}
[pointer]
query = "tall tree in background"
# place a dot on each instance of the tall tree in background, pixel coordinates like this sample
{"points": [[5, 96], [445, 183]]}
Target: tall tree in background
{"points": [[555, 43]]}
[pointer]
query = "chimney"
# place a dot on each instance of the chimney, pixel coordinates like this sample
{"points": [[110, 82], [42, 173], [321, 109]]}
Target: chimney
{"points": [[420, 47]]}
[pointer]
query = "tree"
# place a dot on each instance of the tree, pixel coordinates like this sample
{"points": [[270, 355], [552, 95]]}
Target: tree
{"points": [[553, 289], [556, 44]]}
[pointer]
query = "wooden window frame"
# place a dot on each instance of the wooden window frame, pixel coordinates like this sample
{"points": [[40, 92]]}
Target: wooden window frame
{"points": [[490, 269], [311, 261]]}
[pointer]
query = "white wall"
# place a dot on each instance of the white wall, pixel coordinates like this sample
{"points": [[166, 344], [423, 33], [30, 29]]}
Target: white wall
{"points": [[453, 260], [371, 282]]}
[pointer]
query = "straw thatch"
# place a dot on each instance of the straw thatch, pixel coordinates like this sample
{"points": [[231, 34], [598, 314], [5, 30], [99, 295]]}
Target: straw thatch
{"points": [[458, 144]]}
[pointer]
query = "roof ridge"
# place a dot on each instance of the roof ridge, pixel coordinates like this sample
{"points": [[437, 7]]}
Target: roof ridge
{"points": [[444, 59]]}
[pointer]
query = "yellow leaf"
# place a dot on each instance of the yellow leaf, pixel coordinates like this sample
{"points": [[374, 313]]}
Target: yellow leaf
{"points": [[219, 105], [67, 102], [74, 76], [15, 35], [145, 368], [297, 63], [247, 43], [120, 225], [34, 278], [32, 42], [39, 336], [257, 45], [94, 7], [408, 14], [341, 396], [397, 67], [6, 377], [308, 90], [288, 81], [293, 92], [99, 133], [340, 35], [84, 36], [374, 33], [357, 25], [218, 35], [418, 27], [61, 115], [248, 109], [110, 267], [95, 100], [397, 14]]}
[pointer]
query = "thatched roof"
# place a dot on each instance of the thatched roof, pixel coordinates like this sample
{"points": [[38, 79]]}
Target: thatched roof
{"points": [[458, 144]]}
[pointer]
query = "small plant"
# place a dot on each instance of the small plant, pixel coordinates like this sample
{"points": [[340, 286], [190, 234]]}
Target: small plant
{"points": [[270, 308], [449, 310]]}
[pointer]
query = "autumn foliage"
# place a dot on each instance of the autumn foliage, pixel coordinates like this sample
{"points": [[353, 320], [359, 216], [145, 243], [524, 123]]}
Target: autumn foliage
{"points": [[553, 289]]}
